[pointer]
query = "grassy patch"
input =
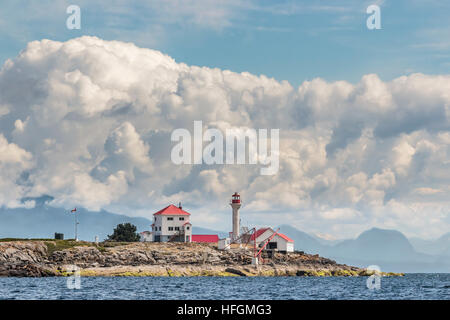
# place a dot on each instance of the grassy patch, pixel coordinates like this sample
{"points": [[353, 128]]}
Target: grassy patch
{"points": [[59, 245], [101, 249], [22, 239], [112, 244]]}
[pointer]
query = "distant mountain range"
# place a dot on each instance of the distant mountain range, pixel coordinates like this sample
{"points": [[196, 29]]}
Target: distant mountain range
{"points": [[43, 221], [439, 246], [389, 249]]}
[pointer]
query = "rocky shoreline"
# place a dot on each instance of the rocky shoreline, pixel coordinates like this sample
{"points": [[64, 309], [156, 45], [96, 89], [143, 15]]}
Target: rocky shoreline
{"points": [[54, 258]]}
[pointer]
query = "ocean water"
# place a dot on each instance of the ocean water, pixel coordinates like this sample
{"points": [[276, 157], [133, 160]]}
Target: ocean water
{"points": [[411, 286]]}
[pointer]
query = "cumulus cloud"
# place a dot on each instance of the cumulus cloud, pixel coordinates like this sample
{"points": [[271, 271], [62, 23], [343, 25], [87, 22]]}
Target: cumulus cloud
{"points": [[89, 121], [14, 162]]}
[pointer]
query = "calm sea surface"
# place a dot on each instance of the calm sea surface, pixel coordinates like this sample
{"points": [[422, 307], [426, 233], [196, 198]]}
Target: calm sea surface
{"points": [[411, 286]]}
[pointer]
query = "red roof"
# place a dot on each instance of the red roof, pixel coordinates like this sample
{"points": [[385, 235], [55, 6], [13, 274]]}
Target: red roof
{"points": [[285, 237], [258, 233], [205, 238], [172, 210], [262, 230]]}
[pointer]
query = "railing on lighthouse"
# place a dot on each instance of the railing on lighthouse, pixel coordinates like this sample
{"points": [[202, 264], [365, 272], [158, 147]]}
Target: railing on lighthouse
{"points": [[235, 198]]}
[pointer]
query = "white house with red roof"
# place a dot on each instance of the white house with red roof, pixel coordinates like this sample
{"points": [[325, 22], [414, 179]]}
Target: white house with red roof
{"points": [[172, 224], [280, 241]]}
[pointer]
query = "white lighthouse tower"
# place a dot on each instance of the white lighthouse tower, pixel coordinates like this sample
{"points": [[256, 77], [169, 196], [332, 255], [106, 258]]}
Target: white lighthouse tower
{"points": [[235, 204]]}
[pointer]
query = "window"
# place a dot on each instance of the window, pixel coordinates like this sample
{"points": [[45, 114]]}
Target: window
{"points": [[159, 228], [170, 228], [177, 228], [181, 218], [272, 245], [169, 218], [187, 228]]}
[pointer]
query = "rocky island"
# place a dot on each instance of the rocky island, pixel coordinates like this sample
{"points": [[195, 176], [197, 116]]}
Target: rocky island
{"points": [[45, 258]]}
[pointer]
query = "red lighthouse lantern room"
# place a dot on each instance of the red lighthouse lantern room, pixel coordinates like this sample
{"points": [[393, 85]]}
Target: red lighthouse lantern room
{"points": [[235, 198]]}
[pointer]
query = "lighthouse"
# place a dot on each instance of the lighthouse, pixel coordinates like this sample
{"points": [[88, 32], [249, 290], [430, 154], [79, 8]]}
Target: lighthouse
{"points": [[235, 204]]}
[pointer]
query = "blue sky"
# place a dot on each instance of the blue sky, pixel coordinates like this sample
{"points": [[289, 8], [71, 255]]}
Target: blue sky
{"points": [[287, 40]]}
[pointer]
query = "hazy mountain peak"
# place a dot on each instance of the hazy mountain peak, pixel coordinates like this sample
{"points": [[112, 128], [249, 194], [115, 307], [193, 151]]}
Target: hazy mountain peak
{"points": [[385, 239], [373, 232]]}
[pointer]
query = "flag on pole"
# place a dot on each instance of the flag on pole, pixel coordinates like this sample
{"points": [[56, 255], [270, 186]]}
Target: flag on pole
{"points": [[74, 210]]}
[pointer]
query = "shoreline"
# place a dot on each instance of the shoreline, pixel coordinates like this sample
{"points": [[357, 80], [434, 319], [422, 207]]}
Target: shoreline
{"points": [[56, 258], [235, 271]]}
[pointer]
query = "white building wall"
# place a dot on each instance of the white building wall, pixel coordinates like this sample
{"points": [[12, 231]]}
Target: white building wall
{"points": [[290, 247], [146, 237], [224, 244], [188, 232], [282, 244], [163, 222]]}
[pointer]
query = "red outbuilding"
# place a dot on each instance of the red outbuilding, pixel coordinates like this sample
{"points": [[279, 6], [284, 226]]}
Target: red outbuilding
{"points": [[209, 238]]}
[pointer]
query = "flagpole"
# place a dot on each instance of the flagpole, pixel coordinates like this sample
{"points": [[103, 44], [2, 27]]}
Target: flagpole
{"points": [[76, 227]]}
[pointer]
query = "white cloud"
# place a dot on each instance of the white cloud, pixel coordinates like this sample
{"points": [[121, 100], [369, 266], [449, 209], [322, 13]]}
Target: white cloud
{"points": [[88, 122], [14, 162], [427, 191], [340, 214]]}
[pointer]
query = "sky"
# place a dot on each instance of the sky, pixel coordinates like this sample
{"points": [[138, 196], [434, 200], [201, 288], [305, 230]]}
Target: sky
{"points": [[86, 115], [287, 40]]}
